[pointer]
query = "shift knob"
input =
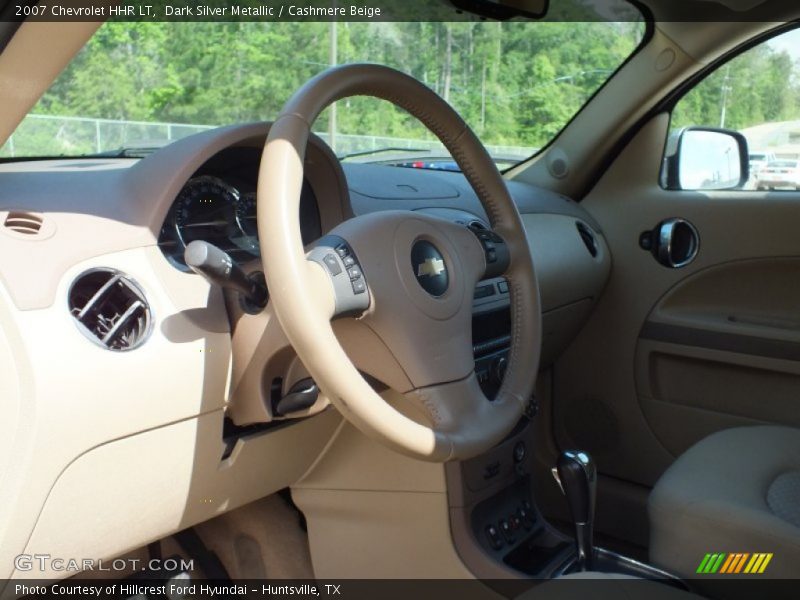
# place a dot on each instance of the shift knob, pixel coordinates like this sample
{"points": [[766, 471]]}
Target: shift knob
{"points": [[578, 477]]}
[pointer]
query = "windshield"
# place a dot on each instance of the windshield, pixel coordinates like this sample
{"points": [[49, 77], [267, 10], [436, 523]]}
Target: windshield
{"points": [[138, 86]]}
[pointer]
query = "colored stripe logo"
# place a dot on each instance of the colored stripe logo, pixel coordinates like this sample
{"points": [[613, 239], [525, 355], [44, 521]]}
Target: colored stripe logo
{"points": [[734, 563]]}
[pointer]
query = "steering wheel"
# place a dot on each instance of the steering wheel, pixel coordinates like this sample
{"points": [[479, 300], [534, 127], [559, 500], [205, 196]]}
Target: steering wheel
{"points": [[407, 276]]}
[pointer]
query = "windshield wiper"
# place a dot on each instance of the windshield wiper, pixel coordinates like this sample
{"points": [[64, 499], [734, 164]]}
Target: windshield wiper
{"points": [[380, 150], [124, 152], [118, 153]]}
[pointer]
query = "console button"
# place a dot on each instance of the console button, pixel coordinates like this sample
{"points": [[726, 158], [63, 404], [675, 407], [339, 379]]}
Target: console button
{"points": [[525, 518], [348, 261], [519, 452], [495, 538], [342, 250], [492, 469], [508, 533], [502, 286]]}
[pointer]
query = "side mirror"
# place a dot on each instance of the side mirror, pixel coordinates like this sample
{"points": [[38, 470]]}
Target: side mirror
{"points": [[705, 158]]}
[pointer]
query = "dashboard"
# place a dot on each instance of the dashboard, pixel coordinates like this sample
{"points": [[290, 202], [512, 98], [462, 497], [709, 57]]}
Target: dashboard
{"points": [[217, 204], [190, 360]]}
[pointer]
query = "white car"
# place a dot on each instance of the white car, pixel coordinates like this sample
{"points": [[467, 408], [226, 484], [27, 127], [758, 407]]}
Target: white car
{"points": [[758, 160], [779, 174]]}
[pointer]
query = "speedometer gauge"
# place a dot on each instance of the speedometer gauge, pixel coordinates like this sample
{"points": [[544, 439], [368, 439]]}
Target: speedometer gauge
{"points": [[246, 215], [206, 210], [247, 218]]}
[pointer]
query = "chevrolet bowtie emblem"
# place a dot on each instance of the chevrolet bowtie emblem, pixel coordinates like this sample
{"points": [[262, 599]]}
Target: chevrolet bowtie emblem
{"points": [[430, 267]]}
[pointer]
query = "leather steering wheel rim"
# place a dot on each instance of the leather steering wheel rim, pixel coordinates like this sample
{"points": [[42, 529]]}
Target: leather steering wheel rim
{"points": [[462, 423]]}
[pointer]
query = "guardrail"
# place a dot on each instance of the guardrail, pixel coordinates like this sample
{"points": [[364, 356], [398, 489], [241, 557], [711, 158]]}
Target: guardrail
{"points": [[51, 135]]}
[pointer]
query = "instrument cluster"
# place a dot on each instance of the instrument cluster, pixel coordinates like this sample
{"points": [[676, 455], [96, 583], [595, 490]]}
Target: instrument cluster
{"points": [[219, 207]]}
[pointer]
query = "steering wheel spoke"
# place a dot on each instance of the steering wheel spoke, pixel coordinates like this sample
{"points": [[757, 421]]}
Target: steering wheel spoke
{"points": [[345, 272], [495, 249], [461, 415]]}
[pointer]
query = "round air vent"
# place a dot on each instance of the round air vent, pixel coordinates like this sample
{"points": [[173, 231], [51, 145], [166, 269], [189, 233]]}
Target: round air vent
{"points": [[110, 309], [476, 224]]}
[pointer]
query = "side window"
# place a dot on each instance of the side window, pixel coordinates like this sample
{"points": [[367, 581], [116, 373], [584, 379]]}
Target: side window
{"points": [[756, 94]]}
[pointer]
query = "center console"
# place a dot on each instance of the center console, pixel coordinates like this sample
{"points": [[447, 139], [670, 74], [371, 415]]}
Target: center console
{"points": [[491, 327], [497, 527], [500, 533]]}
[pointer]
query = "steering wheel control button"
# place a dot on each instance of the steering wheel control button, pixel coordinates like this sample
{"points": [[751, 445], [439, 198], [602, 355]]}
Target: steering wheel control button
{"points": [[354, 272], [503, 287], [332, 263], [359, 287], [495, 250], [429, 268], [483, 291], [341, 264]]}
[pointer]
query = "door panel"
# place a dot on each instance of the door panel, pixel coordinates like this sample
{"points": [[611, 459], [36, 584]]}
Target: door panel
{"points": [[722, 349], [671, 355], [687, 393]]}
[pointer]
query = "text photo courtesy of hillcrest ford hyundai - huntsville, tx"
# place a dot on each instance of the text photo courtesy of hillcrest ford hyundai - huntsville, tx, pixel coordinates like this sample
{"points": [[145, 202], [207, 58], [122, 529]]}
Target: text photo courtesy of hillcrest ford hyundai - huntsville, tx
{"points": [[400, 299]]}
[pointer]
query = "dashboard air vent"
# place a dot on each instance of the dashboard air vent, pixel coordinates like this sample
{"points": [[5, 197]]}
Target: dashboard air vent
{"points": [[476, 224], [23, 222], [110, 308], [587, 235]]}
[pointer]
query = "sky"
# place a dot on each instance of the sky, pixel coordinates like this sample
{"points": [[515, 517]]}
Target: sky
{"points": [[789, 41]]}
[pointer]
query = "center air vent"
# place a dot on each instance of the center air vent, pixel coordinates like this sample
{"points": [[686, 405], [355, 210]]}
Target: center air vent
{"points": [[587, 235], [110, 309]]}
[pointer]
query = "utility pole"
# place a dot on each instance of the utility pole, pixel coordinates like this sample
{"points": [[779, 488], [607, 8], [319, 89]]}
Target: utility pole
{"points": [[333, 60], [448, 62], [725, 90], [483, 97]]}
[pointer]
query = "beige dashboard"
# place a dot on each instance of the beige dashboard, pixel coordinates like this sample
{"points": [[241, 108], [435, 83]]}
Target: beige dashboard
{"points": [[105, 451]]}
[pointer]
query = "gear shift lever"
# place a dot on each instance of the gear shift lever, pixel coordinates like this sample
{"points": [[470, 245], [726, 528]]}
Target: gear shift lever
{"points": [[578, 477]]}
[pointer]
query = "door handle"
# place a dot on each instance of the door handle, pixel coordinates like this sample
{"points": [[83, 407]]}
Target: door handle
{"points": [[674, 242]]}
